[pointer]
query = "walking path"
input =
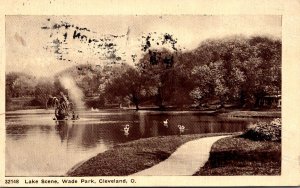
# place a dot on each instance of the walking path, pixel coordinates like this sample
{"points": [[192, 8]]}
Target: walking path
{"points": [[185, 161]]}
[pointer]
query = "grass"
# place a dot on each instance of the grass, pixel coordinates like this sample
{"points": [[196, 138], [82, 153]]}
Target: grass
{"points": [[248, 113], [240, 156], [228, 157], [128, 158]]}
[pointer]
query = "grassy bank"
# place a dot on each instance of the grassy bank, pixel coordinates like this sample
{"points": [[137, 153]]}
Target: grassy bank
{"points": [[240, 156], [229, 156], [249, 113], [24, 103], [128, 158], [20, 103]]}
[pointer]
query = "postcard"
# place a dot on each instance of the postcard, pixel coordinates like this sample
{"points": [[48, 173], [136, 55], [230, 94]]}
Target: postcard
{"points": [[192, 93]]}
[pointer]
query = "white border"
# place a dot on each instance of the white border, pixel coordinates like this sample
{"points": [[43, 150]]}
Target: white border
{"points": [[290, 68]]}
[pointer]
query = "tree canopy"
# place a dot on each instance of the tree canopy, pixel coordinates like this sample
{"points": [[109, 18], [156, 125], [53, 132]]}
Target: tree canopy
{"points": [[233, 70]]}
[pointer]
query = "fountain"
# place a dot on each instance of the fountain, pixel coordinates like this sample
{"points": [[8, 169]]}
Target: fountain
{"points": [[63, 107]]}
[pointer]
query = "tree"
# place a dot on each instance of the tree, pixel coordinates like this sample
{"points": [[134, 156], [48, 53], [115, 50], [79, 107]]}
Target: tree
{"points": [[43, 90], [204, 86], [237, 69], [262, 69], [20, 84], [130, 85], [162, 69]]}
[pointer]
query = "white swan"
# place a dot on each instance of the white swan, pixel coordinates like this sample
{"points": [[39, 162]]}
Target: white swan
{"points": [[126, 129], [94, 109], [181, 128], [166, 123]]}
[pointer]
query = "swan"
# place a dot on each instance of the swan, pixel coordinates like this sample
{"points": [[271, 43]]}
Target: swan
{"points": [[181, 128], [94, 109], [166, 123], [126, 128]]}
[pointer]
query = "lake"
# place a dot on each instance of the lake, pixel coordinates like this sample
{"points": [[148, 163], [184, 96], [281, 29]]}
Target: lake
{"points": [[36, 145]]}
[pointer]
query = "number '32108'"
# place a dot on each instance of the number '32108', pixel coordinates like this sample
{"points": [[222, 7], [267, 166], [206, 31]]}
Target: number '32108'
{"points": [[11, 181]]}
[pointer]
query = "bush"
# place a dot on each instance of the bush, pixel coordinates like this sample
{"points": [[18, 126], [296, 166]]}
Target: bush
{"points": [[34, 102], [264, 131], [98, 102]]}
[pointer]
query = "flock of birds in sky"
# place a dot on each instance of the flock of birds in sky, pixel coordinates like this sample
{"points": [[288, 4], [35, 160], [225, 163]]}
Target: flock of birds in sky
{"points": [[181, 128]]}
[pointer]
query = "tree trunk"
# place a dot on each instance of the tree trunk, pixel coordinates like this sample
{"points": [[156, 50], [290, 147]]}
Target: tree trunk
{"points": [[136, 106], [159, 99], [135, 101], [46, 105]]}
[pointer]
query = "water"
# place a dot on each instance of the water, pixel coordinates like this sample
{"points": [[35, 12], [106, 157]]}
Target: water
{"points": [[36, 145]]}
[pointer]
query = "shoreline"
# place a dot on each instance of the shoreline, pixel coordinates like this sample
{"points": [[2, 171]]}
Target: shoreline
{"points": [[254, 114], [75, 167], [240, 113], [131, 157]]}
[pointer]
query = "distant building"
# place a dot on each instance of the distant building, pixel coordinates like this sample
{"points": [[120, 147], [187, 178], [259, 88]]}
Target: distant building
{"points": [[270, 101]]}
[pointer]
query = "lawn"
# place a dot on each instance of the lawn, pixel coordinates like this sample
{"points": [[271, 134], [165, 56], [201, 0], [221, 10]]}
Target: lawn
{"points": [[128, 158], [228, 157], [241, 156]]}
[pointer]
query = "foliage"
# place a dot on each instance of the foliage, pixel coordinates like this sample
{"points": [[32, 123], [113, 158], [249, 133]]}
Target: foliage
{"points": [[43, 90], [97, 102], [239, 156], [19, 85], [234, 70], [129, 86], [167, 73], [265, 131], [237, 69]]}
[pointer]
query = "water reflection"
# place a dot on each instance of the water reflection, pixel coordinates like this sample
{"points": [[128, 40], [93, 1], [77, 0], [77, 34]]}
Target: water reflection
{"points": [[38, 146], [61, 128]]}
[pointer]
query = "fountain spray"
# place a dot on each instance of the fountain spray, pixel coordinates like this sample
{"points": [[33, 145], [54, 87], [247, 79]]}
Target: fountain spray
{"points": [[75, 93]]}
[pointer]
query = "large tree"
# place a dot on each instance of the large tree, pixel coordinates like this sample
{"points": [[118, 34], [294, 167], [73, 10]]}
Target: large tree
{"points": [[168, 75], [237, 69], [43, 91], [130, 85], [20, 84]]}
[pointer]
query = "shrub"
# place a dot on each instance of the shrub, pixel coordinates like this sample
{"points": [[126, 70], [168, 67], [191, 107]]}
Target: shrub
{"points": [[98, 102], [264, 131], [34, 102]]}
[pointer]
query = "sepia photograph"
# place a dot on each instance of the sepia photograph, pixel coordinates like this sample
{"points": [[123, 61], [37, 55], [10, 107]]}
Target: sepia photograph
{"points": [[143, 95]]}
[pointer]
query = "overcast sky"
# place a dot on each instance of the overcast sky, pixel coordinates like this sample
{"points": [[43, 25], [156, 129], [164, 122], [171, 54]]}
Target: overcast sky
{"points": [[44, 45]]}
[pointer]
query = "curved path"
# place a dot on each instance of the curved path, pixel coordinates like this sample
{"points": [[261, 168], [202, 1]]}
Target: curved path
{"points": [[185, 161]]}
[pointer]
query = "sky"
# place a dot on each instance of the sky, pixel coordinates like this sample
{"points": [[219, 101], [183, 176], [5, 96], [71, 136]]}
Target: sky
{"points": [[45, 45]]}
